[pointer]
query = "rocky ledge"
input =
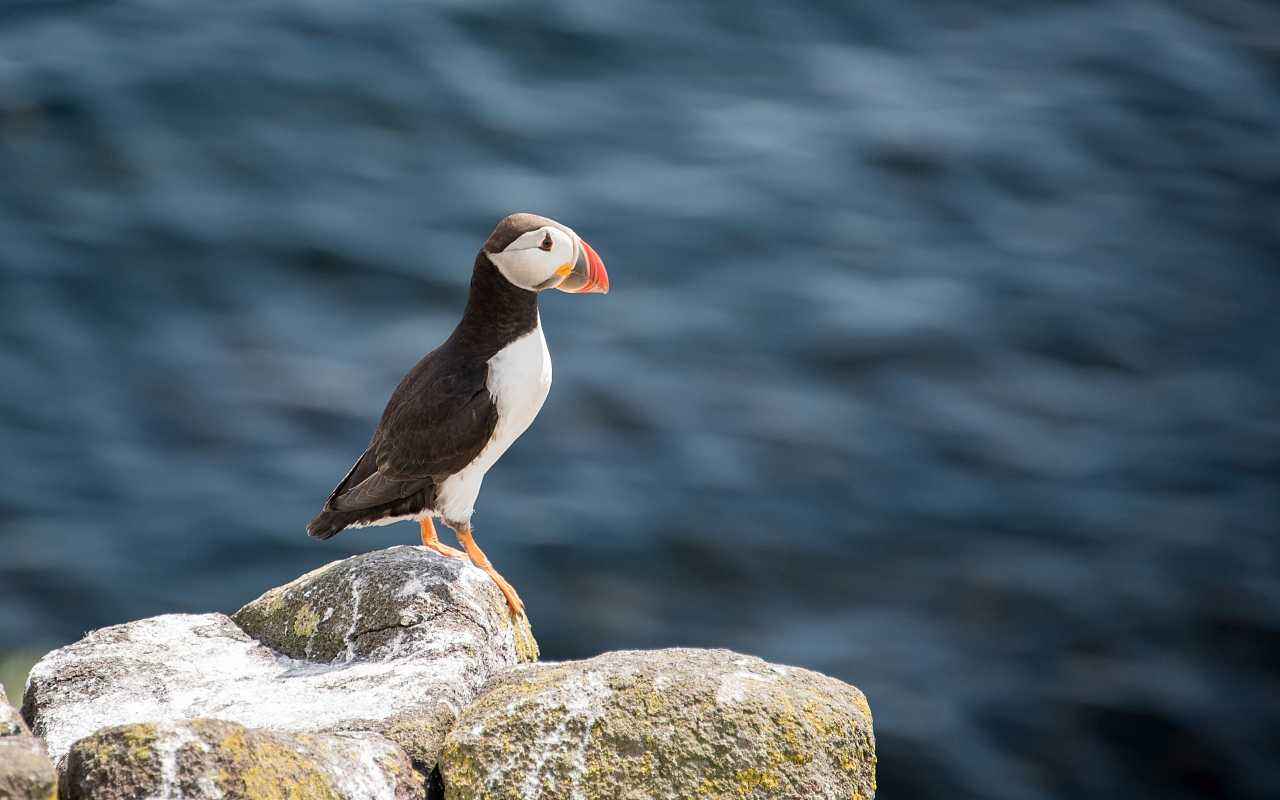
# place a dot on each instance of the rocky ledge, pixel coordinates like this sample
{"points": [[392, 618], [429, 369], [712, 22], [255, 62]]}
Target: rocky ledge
{"points": [[397, 674], [662, 724]]}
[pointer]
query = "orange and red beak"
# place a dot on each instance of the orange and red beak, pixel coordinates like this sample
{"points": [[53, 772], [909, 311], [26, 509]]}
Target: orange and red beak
{"points": [[588, 273]]}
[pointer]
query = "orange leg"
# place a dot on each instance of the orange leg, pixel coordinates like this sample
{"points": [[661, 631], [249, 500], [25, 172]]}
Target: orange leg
{"points": [[478, 558], [431, 540]]}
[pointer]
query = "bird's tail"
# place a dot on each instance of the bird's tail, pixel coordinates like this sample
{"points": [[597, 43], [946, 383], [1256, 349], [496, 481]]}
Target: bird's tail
{"points": [[328, 524]]}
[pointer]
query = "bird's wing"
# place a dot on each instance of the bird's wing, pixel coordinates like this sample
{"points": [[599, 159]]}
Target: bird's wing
{"points": [[362, 469], [364, 487], [435, 424], [373, 491]]}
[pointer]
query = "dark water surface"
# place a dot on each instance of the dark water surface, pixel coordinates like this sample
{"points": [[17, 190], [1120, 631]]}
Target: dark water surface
{"points": [[943, 354]]}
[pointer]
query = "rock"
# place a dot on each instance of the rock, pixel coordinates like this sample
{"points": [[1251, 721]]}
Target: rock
{"points": [[11, 723], [407, 638], [383, 604], [206, 759], [662, 724], [25, 770]]}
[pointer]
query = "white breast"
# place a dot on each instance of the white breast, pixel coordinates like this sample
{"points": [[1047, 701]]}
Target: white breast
{"points": [[519, 379]]}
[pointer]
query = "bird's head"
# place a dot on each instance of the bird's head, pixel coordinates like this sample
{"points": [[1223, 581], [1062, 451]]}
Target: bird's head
{"points": [[538, 253]]}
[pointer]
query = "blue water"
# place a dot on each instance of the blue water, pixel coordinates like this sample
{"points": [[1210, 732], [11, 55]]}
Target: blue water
{"points": [[941, 354]]}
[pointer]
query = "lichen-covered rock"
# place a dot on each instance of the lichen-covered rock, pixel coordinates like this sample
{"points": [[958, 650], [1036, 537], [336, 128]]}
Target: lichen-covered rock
{"points": [[403, 638], [11, 723], [206, 759], [383, 604], [25, 770], [662, 724]]}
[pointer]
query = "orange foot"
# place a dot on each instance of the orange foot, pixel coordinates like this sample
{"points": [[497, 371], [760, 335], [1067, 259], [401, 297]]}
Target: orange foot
{"points": [[431, 541], [478, 558]]}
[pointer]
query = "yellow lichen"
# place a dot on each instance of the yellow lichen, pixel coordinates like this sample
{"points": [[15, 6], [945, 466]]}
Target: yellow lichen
{"points": [[264, 769], [849, 760], [526, 646], [770, 743], [138, 741], [751, 779], [655, 702], [270, 603], [305, 621]]}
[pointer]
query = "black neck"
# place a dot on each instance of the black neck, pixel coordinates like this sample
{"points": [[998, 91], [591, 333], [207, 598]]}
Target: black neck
{"points": [[498, 312]]}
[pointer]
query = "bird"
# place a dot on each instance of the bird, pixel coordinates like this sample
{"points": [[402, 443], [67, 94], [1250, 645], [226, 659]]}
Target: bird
{"points": [[464, 403]]}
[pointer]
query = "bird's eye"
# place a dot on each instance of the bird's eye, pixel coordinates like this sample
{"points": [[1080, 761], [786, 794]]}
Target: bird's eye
{"points": [[546, 243]]}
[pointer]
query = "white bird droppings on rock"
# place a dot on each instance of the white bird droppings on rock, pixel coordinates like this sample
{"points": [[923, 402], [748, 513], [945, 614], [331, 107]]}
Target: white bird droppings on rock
{"points": [[662, 725], [372, 669], [733, 687], [208, 759]]}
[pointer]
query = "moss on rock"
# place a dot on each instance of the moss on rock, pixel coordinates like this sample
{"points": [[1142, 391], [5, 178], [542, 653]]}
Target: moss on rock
{"points": [[379, 605], [206, 758], [663, 724], [305, 622], [101, 766]]}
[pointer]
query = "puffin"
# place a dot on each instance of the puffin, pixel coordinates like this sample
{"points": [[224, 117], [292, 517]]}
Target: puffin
{"points": [[458, 410]]}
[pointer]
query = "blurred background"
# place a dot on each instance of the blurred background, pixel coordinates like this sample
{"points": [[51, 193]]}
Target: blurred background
{"points": [[942, 354]]}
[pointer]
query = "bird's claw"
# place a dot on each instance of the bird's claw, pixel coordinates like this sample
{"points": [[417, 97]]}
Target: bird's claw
{"points": [[508, 591]]}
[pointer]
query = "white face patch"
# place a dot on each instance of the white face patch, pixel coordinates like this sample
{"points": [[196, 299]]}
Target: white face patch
{"points": [[528, 264]]}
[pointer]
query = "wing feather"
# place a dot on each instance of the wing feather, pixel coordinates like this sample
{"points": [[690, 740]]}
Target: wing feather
{"points": [[434, 425], [439, 426]]}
